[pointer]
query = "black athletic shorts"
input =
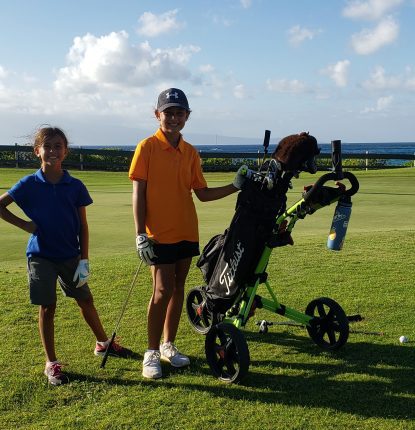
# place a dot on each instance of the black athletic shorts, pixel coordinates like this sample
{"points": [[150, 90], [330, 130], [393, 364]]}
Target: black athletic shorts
{"points": [[168, 253]]}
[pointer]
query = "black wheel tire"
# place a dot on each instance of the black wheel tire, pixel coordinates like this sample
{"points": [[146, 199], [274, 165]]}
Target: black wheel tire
{"points": [[329, 327], [199, 317], [227, 353]]}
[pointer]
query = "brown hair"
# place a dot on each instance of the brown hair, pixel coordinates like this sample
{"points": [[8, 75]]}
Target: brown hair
{"points": [[45, 133]]}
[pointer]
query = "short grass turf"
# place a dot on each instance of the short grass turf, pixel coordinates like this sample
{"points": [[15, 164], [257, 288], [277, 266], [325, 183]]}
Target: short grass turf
{"points": [[291, 383]]}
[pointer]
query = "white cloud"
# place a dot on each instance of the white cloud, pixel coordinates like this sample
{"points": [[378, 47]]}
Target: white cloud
{"points": [[338, 72], [219, 20], [286, 86], [370, 10], [297, 34], [29, 79], [410, 83], [379, 81], [206, 68], [111, 62], [3, 72], [409, 79], [239, 92], [153, 25], [246, 4], [382, 104], [369, 41]]}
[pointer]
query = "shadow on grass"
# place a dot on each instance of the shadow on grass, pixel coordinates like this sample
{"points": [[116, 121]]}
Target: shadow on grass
{"points": [[387, 194], [366, 379], [370, 380]]}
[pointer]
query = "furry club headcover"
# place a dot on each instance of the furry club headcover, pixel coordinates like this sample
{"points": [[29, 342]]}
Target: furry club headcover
{"points": [[295, 151]]}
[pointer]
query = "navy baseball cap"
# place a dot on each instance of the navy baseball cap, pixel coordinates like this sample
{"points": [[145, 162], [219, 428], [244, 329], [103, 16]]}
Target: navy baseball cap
{"points": [[172, 97]]}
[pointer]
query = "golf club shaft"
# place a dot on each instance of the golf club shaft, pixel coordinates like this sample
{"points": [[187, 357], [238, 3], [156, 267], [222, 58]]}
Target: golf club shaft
{"points": [[105, 358]]}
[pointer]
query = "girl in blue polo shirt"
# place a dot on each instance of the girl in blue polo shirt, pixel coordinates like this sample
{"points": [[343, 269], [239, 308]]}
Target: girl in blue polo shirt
{"points": [[57, 250]]}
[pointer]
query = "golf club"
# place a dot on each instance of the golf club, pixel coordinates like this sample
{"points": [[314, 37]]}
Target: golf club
{"points": [[265, 145], [105, 358]]}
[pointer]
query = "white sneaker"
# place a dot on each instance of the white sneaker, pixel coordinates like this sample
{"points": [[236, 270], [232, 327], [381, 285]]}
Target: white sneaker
{"points": [[55, 375], [171, 354], [151, 364]]}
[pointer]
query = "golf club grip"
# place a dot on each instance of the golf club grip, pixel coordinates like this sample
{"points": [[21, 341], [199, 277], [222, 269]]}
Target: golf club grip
{"points": [[266, 139], [105, 358]]}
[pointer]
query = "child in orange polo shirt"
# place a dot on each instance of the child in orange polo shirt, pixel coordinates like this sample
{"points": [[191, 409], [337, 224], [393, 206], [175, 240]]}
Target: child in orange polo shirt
{"points": [[164, 170]]}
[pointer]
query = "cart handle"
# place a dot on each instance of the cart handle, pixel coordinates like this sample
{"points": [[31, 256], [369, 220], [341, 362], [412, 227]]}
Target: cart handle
{"points": [[333, 177]]}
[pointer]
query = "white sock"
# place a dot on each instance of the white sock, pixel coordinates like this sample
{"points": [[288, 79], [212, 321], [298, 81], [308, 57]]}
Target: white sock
{"points": [[104, 343]]}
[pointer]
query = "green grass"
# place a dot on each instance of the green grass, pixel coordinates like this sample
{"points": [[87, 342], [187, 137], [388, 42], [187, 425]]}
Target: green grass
{"points": [[292, 384]]}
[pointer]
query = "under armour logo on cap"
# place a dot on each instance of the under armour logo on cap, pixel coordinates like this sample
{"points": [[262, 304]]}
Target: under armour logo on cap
{"points": [[172, 97]]}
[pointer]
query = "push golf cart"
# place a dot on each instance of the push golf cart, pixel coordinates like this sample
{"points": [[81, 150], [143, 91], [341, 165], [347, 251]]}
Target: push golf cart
{"points": [[234, 266]]}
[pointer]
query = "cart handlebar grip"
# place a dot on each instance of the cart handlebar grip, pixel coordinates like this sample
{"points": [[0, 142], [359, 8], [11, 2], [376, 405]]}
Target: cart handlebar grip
{"points": [[266, 140], [333, 177], [336, 158]]}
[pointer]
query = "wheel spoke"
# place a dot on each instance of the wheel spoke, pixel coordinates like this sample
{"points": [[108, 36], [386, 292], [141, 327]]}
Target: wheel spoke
{"points": [[332, 336], [320, 333], [321, 310], [332, 316], [231, 370], [196, 320]]}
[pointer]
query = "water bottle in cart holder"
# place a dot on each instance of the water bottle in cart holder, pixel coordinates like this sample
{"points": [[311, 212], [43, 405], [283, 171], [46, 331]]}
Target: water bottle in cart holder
{"points": [[343, 209]]}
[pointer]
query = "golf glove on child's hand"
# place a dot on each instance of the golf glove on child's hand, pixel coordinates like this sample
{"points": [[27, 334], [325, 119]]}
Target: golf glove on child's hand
{"points": [[81, 273], [145, 248], [240, 177]]}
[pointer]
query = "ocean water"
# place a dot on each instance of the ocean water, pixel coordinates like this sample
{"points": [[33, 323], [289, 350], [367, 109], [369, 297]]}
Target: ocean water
{"points": [[347, 148]]}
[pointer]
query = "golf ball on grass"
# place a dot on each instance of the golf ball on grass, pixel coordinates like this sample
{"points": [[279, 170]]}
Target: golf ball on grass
{"points": [[403, 339]]}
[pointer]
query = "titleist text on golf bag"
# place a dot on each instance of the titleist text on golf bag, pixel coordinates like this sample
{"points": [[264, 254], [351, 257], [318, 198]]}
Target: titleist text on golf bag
{"points": [[228, 261]]}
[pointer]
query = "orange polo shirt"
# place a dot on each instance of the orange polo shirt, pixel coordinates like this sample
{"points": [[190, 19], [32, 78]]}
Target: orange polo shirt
{"points": [[171, 174]]}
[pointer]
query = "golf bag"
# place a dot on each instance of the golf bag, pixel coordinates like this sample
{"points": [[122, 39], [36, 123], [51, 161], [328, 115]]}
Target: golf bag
{"points": [[228, 261]]}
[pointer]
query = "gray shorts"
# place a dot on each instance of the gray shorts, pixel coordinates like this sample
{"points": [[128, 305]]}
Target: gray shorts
{"points": [[43, 275]]}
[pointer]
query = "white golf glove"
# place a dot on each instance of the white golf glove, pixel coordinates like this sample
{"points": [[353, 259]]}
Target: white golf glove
{"points": [[240, 177], [145, 248], [81, 273]]}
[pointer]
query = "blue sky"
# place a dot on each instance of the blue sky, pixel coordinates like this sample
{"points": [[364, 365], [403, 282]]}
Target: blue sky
{"points": [[339, 69]]}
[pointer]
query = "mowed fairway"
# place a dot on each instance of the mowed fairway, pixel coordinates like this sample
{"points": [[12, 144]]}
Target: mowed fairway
{"points": [[292, 384]]}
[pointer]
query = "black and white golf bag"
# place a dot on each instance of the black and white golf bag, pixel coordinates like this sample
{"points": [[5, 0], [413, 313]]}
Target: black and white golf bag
{"points": [[229, 260]]}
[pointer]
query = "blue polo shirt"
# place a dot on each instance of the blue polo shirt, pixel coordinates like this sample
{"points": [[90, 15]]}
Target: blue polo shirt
{"points": [[54, 209]]}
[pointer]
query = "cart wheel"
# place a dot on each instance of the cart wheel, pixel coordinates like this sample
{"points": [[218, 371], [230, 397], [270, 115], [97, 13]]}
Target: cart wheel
{"points": [[329, 327], [227, 352], [197, 312]]}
